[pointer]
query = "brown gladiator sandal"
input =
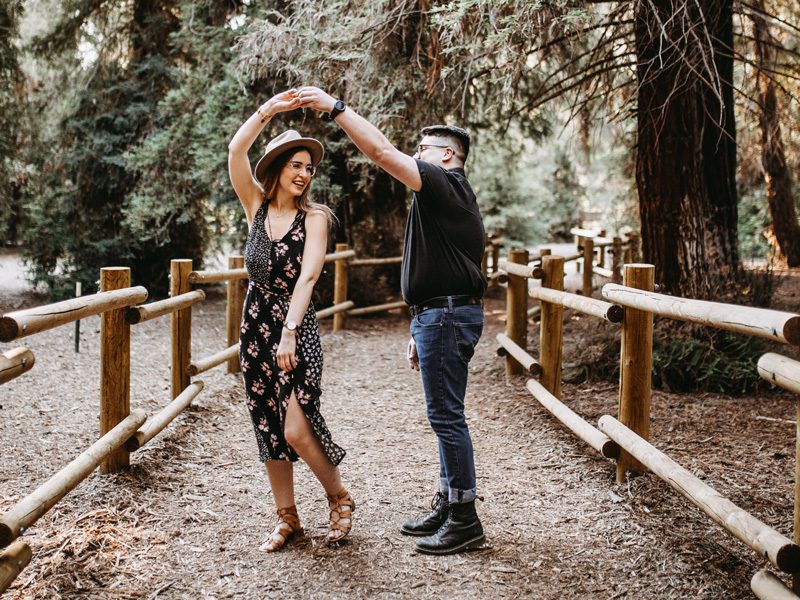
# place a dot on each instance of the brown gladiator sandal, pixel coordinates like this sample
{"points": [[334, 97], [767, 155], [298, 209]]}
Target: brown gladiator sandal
{"points": [[342, 507], [288, 525]]}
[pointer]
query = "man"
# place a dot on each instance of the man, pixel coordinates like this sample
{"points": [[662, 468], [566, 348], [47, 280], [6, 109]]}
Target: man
{"points": [[442, 282]]}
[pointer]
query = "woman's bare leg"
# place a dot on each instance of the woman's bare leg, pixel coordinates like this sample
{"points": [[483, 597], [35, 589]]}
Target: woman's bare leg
{"points": [[302, 439], [281, 480]]}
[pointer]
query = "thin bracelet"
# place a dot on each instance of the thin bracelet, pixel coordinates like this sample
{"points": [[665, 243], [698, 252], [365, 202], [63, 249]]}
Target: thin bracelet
{"points": [[264, 117]]}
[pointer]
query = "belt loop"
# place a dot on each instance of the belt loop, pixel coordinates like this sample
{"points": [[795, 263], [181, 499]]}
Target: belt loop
{"points": [[450, 304]]}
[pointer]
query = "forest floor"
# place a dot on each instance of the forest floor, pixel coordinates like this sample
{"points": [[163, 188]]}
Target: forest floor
{"points": [[187, 518]]}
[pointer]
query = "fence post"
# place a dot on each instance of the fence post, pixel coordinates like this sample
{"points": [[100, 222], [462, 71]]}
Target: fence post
{"points": [[233, 316], [545, 252], [339, 287], [601, 251], [115, 366], [616, 261], [635, 246], [588, 263], [181, 322], [517, 310], [551, 326], [495, 255], [636, 365]]}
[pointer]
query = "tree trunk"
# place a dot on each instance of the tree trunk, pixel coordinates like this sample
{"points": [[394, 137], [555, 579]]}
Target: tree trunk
{"points": [[778, 178], [686, 150]]}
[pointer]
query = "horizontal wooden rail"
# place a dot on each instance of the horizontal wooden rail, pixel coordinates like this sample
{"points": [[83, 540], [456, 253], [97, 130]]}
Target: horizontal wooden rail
{"points": [[15, 362], [758, 322], [780, 370], [28, 510], [511, 268], [217, 276], [145, 312], [12, 560], [164, 417], [603, 272], [336, 308], [366, 310], [590, 306], [574, 422], [534, 311], [586, 233], [508, 346], [572, 257], [767, 586], [339, 255], [766, 541], [21, 323], [204, 364], [362, 262]]}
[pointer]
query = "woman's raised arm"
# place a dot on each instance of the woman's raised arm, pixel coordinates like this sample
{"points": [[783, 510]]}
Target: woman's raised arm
{"points": [[244, 184]]}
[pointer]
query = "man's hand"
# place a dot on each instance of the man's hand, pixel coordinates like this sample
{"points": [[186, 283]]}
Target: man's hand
{"points": [[411, 355], [315, 99]]}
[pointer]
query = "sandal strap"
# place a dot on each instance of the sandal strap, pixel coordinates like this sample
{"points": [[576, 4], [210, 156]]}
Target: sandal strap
{"points": [[341, 509]]}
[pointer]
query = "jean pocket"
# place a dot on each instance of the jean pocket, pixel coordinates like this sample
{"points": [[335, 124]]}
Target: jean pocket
{"points": [[467, 336], [433, 317]]}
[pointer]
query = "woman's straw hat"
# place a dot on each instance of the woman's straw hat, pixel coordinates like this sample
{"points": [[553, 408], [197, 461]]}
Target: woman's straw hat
{"points": [[286, 141]]}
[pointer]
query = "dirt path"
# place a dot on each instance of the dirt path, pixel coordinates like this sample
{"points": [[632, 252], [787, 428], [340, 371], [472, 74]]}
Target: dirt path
{"points": [[188, 516]]}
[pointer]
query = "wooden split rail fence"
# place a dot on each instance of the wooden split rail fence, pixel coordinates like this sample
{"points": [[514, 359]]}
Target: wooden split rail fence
{"points": [[625, 438]]}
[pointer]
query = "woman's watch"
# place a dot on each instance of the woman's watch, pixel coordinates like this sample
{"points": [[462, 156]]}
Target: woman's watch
{"points": [[291, 326]]}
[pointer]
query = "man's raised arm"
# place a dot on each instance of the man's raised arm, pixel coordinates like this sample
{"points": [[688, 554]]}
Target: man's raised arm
{"points": [[366, 137]]}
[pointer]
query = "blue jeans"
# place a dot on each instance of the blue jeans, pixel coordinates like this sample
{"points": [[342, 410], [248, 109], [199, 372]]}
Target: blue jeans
{"points": [[445, 340]]}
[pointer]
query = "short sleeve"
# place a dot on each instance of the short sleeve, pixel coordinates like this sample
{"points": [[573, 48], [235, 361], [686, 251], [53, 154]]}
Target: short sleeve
{"points": [[436, 187]]}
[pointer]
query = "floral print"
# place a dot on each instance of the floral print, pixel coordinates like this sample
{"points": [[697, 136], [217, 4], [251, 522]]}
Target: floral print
{"points": [[273, 268]]}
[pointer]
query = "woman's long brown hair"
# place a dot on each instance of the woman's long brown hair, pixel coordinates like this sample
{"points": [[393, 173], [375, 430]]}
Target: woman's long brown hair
{"points": [[269, 185]]}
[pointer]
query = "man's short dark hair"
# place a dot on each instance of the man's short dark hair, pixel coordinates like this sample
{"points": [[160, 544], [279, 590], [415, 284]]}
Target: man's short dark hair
{"points": [[459, 138]]}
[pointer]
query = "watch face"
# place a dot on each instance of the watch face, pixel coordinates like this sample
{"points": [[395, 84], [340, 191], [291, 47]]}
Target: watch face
{"points": [[339, 105], [291, 325]]}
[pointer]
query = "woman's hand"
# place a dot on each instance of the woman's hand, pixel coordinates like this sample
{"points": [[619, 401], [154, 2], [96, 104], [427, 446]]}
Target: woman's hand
{"points": [[286, 357], [282, 102], [315, 98]]}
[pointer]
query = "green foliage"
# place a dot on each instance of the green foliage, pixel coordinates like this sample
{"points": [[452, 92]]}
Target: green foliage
{"points": [[137, 163], [12, 119], [754, 219], [705, 360]]}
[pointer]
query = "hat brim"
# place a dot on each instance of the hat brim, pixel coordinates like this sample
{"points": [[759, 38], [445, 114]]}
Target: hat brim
{"points": [[313, 146]]}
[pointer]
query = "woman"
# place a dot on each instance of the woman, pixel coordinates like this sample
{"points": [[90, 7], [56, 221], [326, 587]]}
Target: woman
{"points": [[280, 351]]}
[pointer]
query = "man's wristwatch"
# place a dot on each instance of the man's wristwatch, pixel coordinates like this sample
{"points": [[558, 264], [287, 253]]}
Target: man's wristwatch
{"points": [[338, 108], [291, 326]]}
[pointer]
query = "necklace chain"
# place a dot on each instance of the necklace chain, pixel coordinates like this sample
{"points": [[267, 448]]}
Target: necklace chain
{"points": [[269, 225]]}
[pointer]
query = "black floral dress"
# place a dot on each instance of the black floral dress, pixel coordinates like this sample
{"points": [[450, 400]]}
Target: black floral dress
{"points": [[273, 268]]}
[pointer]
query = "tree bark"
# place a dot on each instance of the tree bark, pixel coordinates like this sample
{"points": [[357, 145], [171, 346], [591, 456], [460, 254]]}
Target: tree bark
{"points": [[777, 176], [686, 150]]}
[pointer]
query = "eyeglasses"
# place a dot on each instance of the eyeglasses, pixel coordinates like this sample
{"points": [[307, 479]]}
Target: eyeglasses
{"points": [[299, 167], [421, 147]]}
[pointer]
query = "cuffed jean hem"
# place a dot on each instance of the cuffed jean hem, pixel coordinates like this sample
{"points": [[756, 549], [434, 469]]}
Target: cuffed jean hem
{"points": [[461, 496]]}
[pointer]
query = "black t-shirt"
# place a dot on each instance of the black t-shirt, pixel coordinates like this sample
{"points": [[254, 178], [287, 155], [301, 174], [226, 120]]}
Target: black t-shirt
{"points": [[444, 238]]}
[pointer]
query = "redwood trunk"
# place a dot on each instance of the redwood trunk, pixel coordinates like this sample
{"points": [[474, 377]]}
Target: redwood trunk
{"points": [[686, 151], [777, 176]]}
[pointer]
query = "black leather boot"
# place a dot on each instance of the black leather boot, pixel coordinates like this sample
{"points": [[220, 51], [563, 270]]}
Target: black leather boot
{"points": [[430, 523], [461, 531]]}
